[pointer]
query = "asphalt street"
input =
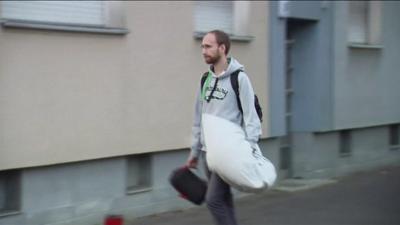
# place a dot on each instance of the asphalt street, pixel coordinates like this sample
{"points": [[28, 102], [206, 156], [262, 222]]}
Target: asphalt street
{"points": [[364, 198]]}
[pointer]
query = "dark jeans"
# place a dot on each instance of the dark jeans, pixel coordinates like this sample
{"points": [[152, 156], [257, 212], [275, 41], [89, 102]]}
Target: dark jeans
{"points": [[219, 198]]}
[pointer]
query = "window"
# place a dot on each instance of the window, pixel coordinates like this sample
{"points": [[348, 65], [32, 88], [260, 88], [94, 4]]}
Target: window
{"points": [[364, 22], [345, 143], [394, 136], [229, 16], [9, 192], [284, 157], [214, 15], [139, 173], [100, 16]]}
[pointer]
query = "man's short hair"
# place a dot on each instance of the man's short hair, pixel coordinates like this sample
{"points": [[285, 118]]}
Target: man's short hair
{"points": [[222, 39]]}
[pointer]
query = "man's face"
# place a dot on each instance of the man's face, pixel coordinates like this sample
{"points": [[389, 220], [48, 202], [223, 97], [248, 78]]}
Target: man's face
{"points": [[211, 51]]}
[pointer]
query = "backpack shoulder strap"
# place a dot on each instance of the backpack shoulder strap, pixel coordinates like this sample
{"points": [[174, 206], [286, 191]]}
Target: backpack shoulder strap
{"points": [[203, 79], [235, 85]]}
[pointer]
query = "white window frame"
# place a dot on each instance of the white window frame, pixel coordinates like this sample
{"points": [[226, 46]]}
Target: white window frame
{"points": [[239, 13], [53, 15], [364, 27]]}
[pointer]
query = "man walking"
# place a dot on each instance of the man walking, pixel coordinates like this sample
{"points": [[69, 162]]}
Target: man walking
{"points": [[217, 97]]}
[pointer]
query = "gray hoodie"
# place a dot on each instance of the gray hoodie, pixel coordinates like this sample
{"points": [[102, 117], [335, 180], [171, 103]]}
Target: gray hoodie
{"points": [[223, 104]]}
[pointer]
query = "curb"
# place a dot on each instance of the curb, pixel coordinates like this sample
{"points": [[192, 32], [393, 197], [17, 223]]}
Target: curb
{"points": [[294, 185]]}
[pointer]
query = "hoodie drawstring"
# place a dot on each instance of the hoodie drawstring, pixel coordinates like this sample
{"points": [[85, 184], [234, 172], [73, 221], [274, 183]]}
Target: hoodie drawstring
{"points": [[212, 91]]}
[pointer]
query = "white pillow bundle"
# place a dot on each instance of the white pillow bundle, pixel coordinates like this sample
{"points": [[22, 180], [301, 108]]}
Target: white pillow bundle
{"points": [[231, 156]]}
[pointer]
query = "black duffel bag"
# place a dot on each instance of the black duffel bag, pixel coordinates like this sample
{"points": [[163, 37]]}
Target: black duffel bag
{"points": [[189, 185]]}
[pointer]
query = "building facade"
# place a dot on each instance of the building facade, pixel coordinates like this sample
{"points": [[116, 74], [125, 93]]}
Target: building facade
{"points": [[333, 85], [97, 97]]}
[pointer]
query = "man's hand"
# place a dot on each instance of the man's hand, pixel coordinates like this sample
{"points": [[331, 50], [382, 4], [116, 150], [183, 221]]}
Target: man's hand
{"points": [[192, 162]]}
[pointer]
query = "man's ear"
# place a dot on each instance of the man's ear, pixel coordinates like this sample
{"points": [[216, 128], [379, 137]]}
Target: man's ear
{"points": [[222, 48]]}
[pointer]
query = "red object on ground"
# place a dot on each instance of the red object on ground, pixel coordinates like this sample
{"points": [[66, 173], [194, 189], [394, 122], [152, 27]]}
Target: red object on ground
{"points": [[114, 220]]}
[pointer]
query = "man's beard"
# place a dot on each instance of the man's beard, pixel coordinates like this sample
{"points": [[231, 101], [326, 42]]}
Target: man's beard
{"points": [[212, 59]]}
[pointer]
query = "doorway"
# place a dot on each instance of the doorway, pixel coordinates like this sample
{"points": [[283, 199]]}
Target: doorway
{"points": [[299, 40]]}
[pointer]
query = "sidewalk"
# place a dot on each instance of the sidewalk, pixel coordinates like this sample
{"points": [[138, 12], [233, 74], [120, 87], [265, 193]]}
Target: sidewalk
{"points": [[365, 198]]}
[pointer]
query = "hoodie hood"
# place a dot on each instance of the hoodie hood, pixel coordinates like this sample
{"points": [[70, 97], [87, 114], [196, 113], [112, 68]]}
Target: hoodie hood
{"points": [[233, 65]]}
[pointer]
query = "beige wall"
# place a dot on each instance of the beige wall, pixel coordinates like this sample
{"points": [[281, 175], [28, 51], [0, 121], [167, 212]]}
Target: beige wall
{"points": [[75, 96]]}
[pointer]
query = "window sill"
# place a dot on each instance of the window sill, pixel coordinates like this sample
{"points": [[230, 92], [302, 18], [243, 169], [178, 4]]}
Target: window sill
{"points": [[137, 190], [364, 46], [239, 38], [394, 147], [9, 213], [62, 27], [345, 155]]}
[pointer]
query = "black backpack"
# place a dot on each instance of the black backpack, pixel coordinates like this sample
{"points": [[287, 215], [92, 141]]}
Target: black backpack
{"points": [[235, 85]]}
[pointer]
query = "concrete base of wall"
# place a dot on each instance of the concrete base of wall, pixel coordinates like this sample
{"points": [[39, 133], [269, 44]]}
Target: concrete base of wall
{"points": [[317, 155], [86, 192]]}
